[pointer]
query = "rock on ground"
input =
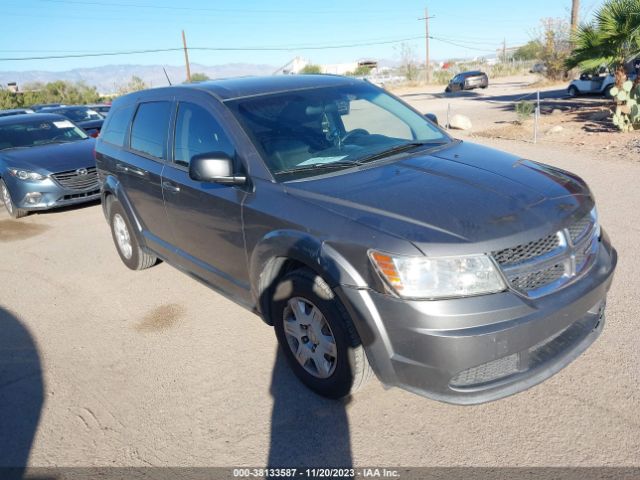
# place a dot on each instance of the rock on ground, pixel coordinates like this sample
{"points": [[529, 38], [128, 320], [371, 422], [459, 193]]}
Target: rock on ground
{"points": [[460, 122]]}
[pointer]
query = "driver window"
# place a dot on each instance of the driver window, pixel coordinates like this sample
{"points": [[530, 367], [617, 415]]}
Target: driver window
{"points": [[197, 132], [374, 119]]}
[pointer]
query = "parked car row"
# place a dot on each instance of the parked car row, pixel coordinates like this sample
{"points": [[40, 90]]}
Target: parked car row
{"points": [[88, 117]]}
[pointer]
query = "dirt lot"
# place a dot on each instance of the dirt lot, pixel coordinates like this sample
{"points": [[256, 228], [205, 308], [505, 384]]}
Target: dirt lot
{"points": [[103, 366]]}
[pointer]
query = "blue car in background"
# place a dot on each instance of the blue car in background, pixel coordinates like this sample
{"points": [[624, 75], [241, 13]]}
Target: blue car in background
{"points": [[46, 161]]}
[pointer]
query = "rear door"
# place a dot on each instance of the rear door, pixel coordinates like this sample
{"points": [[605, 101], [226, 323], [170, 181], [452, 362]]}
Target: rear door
{"points": [[140, 171], [205, 218]]}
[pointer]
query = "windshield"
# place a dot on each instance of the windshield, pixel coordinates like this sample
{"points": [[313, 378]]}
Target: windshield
{"points": [[79, 114], [31, 134], [308, 132]]}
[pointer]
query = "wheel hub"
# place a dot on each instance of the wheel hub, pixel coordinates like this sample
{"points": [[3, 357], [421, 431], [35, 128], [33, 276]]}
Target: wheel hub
{"points": [[309, 337], [122, 236]]}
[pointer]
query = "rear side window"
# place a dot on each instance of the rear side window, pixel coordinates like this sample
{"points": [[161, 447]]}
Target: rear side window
{"points": [[198, 132], [149, 129], [117, 124]]}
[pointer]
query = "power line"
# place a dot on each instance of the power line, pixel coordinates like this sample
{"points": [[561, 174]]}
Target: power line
{"points": [[208, 9], [217, 49], [462, 46]]}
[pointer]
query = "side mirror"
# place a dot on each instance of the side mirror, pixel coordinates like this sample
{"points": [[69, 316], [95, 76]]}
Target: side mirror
{"points": [[214, 167], [432, 117]]}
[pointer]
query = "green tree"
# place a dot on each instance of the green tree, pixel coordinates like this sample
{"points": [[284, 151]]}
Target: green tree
{"points": [[529, 51], [135, 84], [612, 39], [54, 92], [199, 77], [360, 71], [311, 68]]}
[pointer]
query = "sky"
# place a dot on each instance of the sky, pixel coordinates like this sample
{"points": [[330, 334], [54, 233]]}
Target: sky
{"points": [[460, 28]]}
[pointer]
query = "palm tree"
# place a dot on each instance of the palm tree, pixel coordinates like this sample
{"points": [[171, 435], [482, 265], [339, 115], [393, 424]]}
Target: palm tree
{"points": [[612, 39]]}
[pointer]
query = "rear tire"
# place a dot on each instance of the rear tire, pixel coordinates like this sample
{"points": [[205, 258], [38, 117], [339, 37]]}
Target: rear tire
{"points": [[607, 92], [12, 210], [127, 245], [341, 371]]}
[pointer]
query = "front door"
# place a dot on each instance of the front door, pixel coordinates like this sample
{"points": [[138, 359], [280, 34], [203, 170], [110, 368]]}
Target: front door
{"points": [[205, 217]]}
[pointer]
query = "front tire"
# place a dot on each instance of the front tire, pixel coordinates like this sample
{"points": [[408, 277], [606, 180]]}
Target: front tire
{"points": [[127, 245], [12, 210], [573, 91], [317, 336]]}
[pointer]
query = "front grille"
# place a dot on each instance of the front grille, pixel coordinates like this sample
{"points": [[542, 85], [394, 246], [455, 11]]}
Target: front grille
{"points": [[538, 278], [72, 180], [533, 357], [527, 251], [541, 266], [74, 196], [580, 228]]}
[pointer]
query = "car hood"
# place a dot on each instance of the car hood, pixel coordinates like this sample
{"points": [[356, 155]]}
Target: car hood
{"points": [[465, 194], [53, 158]]}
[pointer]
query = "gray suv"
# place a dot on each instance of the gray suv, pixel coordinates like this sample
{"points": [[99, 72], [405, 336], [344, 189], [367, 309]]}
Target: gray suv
{"points": [[370, 239]]}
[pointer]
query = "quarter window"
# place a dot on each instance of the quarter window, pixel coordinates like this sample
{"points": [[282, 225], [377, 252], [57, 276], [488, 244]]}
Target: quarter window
{"points": [[117, 124], [149, 129], [198, 132]]}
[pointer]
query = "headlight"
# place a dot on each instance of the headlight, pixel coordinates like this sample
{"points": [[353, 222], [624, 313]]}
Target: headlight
{"points": [[438, 277], [26, 174]]}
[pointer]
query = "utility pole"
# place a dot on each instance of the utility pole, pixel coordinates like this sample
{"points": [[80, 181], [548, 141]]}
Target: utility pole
{"points": [[575, 12], [186, 57], [426, 39]]}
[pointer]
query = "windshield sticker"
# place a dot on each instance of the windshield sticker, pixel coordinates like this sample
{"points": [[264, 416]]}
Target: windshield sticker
{"points": [[318, 160], [63, 124]]}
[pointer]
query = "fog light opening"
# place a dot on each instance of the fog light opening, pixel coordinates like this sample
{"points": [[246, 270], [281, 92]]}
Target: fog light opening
{"points": [[33, 198]]}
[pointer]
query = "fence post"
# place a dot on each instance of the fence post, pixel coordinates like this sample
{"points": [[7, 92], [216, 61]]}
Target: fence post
{"points": [[536, 117]]}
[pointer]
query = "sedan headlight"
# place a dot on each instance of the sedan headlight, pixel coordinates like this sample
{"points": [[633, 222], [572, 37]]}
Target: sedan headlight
{"points": [[438, 277], [26, 174]]}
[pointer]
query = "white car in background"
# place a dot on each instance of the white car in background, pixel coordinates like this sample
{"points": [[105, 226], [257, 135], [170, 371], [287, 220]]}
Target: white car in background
{"points": [[591, 84]]}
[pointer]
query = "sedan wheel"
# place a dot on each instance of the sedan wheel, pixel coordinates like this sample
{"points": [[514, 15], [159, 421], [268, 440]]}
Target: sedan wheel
{"points": [[5, 195], [309, 337]]}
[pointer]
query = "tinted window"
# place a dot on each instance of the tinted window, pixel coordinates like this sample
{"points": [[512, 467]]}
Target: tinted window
{"points": [[149, 129], [115, 131], [198, 132]]}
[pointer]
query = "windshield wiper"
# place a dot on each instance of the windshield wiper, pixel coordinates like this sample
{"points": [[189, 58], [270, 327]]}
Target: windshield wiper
{"points": [[398, 149], [314, 167]]}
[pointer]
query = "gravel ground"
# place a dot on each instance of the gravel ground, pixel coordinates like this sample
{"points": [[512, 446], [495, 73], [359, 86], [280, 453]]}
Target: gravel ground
{"points": [[102, 366]]}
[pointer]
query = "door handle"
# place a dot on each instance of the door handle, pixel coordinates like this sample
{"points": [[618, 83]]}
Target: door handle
{"points": [[170, 187], [126, 169]]}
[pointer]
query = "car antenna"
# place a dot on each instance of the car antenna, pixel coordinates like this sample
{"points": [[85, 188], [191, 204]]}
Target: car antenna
{"points": [[166, 75]]}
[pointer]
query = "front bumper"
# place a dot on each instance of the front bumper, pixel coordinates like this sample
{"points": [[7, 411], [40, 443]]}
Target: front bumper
{"points": [[51, 194], [474, 350]]}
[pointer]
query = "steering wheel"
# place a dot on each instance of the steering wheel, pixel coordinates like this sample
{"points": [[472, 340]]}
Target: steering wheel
{"points": [[353, 133]]}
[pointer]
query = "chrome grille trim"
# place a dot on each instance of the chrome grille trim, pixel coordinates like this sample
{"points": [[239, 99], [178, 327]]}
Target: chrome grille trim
{"points": [[543, 266], [71, 180]]}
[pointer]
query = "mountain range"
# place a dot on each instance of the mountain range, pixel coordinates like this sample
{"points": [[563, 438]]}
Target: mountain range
{"points": [[108, 78]]}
